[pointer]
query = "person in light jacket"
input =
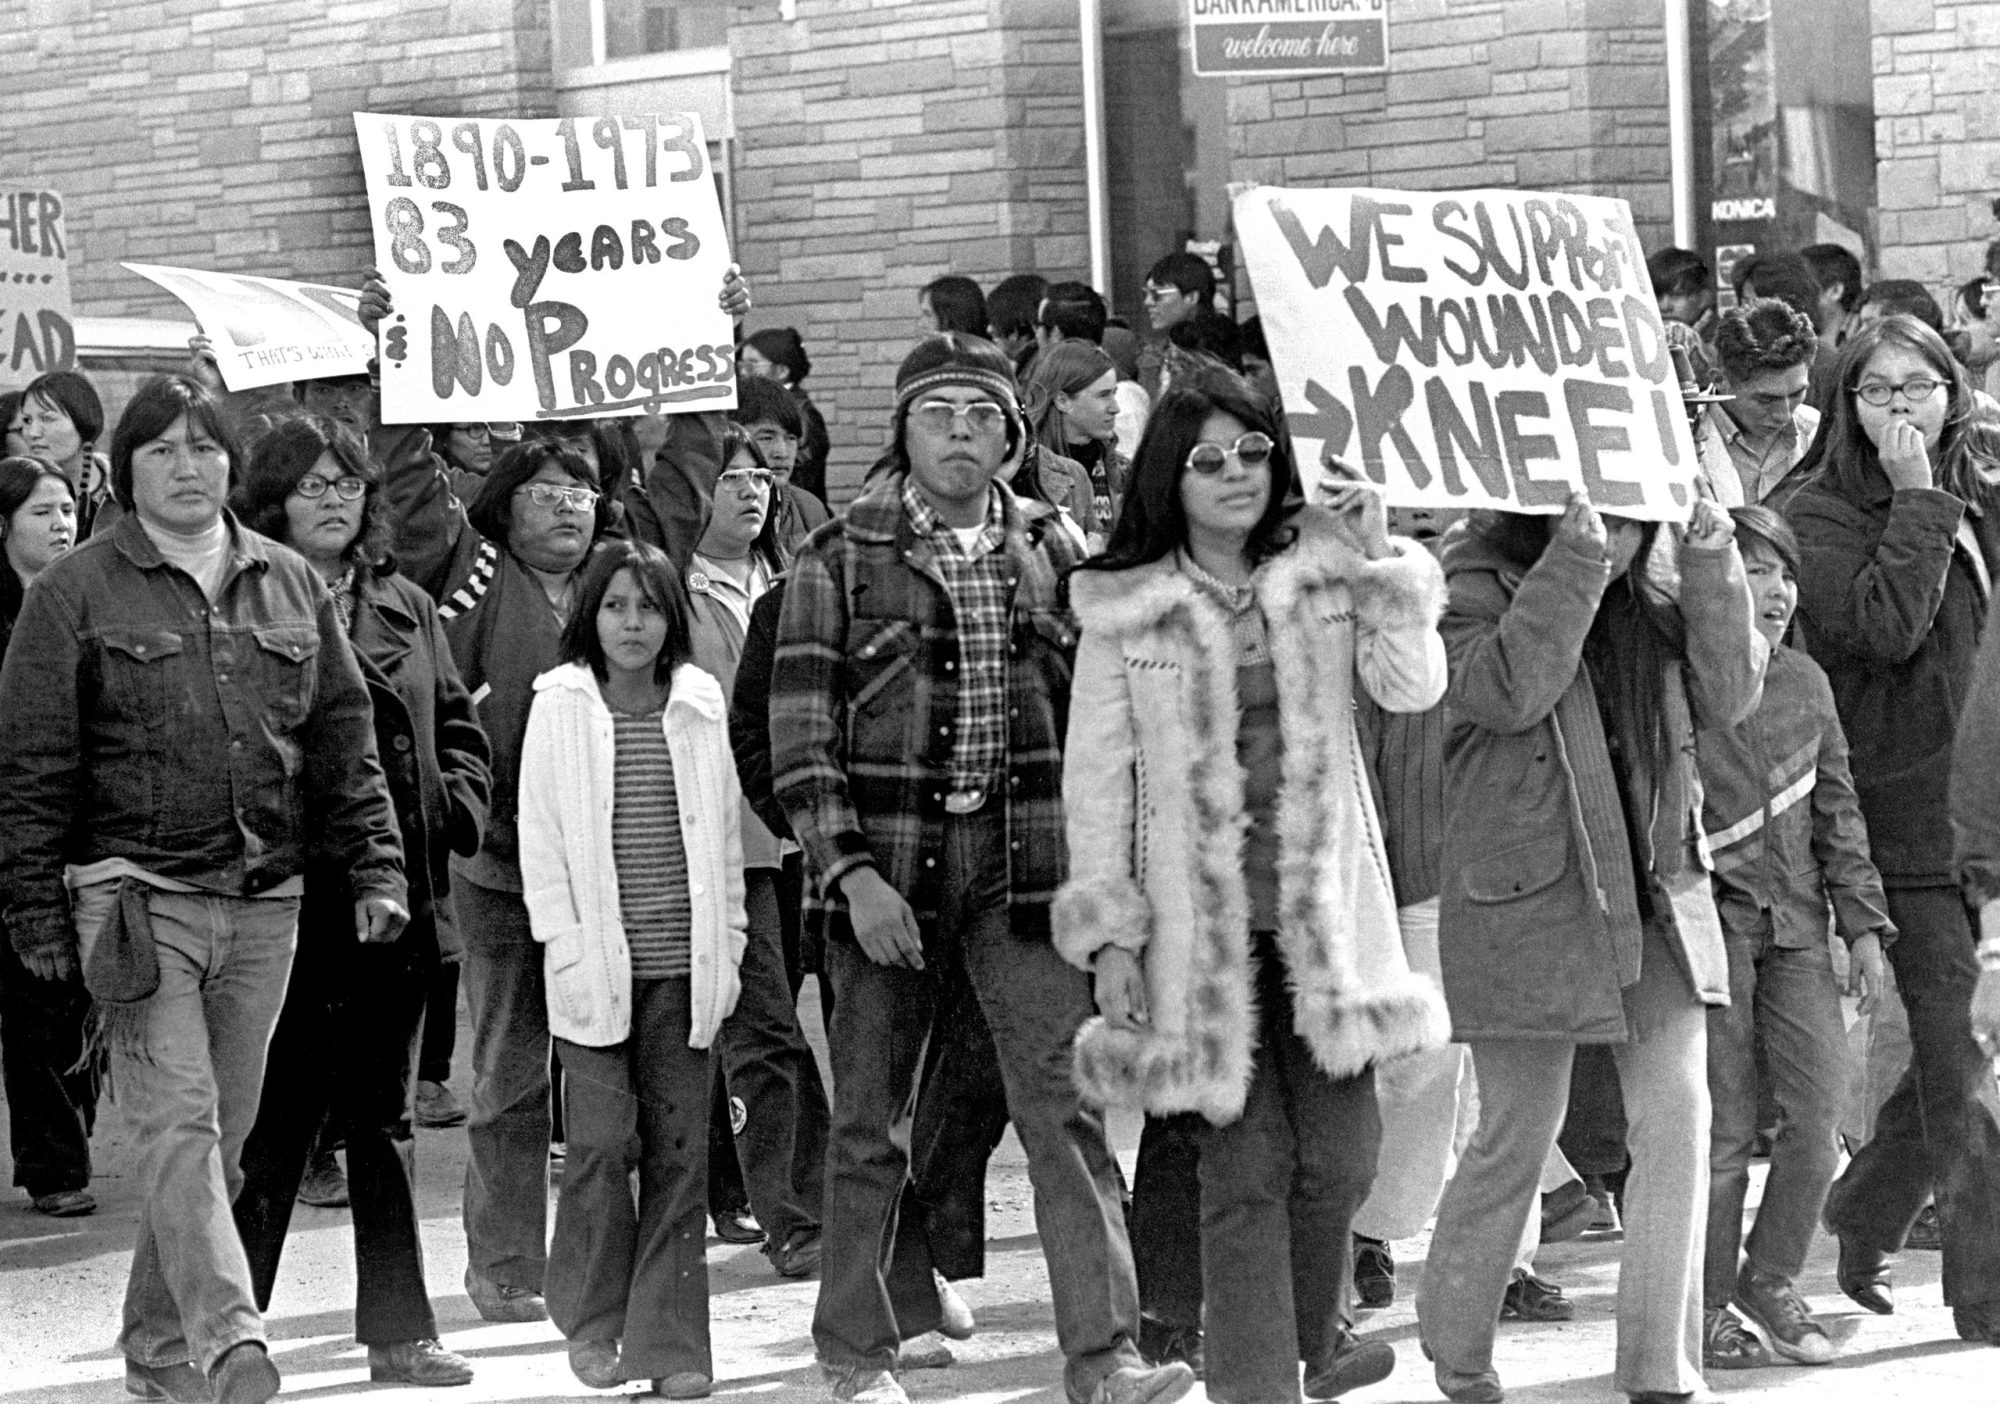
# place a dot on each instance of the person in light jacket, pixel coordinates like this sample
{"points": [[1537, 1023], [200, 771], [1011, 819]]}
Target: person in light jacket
{"points": [[1575, 906], [1228, 885], [632, 868]]}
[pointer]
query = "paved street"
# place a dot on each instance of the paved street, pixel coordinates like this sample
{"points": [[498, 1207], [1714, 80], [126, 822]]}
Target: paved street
{"points": [[61, 1283]]}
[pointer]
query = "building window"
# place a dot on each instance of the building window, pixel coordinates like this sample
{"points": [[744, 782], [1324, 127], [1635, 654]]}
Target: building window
{"points": [[648, 34]]}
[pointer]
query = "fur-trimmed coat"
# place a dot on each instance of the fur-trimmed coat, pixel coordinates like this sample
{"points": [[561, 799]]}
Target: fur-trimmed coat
{"points": [[1154, 802]]}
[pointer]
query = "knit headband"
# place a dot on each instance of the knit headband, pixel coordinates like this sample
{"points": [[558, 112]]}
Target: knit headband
{"points": [[999, 386]]}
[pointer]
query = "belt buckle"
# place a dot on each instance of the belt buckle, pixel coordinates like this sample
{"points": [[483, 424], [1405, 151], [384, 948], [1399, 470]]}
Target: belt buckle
{"points": [[964, 801]]}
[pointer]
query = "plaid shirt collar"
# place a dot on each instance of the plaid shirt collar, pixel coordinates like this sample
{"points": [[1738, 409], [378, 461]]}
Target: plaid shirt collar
{"points": [[925, 522]]}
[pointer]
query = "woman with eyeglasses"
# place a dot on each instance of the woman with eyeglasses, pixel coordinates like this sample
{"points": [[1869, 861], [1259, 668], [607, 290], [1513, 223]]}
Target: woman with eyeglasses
{"points": [[765, 1060], [1575, 906], [1899, 535], [346, 1038], [468, 451], [1228, 886]]}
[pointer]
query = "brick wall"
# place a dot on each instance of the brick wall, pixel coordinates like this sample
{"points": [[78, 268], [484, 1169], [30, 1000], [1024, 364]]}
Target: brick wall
{"points": [[881, 143], [1531, 94], [1937, 136], [217, 133]]}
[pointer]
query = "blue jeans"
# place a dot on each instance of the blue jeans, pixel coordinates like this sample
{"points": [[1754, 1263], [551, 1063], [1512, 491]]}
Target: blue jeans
{"points": [[1941, 1127], [617, 1272], [1785, 999], [507, 1123], [876, 1288], [224, 964], [1523, 1094], [1279, 1187]]}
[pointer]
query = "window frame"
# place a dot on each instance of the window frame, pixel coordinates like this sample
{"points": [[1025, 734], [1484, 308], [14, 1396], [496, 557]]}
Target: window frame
{"points": [[603, 70]]}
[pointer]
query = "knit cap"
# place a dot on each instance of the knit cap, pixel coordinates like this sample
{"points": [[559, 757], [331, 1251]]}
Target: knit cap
{"points": [[954, 358]]}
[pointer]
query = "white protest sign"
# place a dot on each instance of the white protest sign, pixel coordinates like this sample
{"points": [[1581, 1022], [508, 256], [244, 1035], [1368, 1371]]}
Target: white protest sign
{"points": [[267, 331], [1479, 348], [546, 269], [37, 330]]}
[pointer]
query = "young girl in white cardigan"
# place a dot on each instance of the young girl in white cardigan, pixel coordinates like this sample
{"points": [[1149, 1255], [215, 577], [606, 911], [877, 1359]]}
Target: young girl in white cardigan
{"points": [[634, 874]]}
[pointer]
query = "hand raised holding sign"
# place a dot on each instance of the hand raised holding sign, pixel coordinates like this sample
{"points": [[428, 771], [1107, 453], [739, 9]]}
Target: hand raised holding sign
{"points": [[1360, 517], [1582, 528], [376, 305], [1711, 528]]}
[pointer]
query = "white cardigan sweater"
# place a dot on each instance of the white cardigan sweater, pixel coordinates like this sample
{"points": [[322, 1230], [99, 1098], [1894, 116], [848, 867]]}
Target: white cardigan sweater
{"points": [[567, 870], [1153, 803]]}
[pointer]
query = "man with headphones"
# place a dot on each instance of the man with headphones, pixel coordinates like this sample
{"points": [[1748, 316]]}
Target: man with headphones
{"points": [[919, 697]]}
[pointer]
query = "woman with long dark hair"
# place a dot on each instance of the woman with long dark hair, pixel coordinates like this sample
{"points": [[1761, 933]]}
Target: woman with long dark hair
{"points": [[1899, 538], [61, 421], [1576, 905], [51, 1103], [1228, 885], [311, 485], [1072, 407]]}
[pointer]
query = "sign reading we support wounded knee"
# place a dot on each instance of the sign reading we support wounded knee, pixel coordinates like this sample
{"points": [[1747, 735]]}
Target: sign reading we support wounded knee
{"points": [[545, 269], [1480, 348]]}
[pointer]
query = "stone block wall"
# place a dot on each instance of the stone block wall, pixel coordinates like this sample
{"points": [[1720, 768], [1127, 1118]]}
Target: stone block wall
{"points": [[1528, 94], [217, 133], [881, 143], [1937, 136]]}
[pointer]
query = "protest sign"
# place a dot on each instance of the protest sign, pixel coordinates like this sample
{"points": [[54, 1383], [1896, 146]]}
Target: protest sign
{"points": [[37, 331], [1481, 348], [266, 331], [548, 269], [1275, 38]]}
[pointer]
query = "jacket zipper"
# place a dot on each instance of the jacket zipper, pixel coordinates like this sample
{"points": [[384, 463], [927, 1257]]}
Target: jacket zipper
{"points": [[1576, 809]]}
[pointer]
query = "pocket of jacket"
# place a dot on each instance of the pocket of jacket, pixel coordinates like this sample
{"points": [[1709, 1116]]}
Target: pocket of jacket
{"points": [[142, 673], [288, 671], [1518, 872], [885, 653]]}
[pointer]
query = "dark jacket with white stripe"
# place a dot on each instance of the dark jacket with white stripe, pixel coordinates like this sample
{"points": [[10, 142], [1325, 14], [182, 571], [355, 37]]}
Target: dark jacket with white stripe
{"points": [[1779, 811]]}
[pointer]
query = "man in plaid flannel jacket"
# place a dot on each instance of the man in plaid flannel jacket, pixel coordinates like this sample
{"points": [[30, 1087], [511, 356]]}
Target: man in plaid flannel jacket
{"points": [[918, 701]]}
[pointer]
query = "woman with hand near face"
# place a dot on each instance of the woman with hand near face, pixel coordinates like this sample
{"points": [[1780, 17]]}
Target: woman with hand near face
{"points": [[1899, 537], [1228, 886], [1576, 905], [311, 485]]}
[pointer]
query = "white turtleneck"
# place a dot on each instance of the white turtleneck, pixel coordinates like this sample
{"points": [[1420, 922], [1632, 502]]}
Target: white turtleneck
{"points": [[205, 557]]}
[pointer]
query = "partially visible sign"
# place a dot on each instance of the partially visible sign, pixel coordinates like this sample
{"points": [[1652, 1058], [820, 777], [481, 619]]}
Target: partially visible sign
{"points": [[1274, 37], [267, 331], [1482, 348], [37, 330], [548, 269]]}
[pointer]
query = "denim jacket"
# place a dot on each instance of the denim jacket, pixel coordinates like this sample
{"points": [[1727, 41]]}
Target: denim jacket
{"points": [[203, 743]]}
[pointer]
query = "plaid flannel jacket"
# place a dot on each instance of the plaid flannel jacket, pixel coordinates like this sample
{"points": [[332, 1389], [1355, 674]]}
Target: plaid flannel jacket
{"points": [[864, 698]]}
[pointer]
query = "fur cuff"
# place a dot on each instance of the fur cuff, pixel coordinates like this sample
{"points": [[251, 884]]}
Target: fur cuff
{"points": [[1403, 591], [1142, 1071], [1092, 913], [1406, 1016]]}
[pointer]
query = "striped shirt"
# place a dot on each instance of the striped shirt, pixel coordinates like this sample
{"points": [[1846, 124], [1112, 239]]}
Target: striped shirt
{"points": [[647, 849], [977, 579]]}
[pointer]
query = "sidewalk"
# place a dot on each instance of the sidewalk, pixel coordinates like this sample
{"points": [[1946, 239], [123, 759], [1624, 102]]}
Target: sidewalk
{"points": [[61, 1283]]}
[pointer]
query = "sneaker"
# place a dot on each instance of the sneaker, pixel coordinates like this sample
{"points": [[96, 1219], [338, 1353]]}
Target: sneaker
{"points": [[436, 1107], [1532, 1298], [925, 1352], [1770, 1301], [738, 1226], [1605, 1220], [497, 1301], [958, 1323], [1567, 1210], [1137, 1383], [65, 1204], [864, 1384], [181, 1383], [1374, 1273], [1926, 1234], [324, 1185], [688, 1384], [1351, 1364], [417, 1363], [800, 1255], [595, 1363], [1726, 1345]]}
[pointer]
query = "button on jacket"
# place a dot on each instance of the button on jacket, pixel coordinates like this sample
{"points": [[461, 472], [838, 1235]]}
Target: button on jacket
{"points": [[204, 743]]}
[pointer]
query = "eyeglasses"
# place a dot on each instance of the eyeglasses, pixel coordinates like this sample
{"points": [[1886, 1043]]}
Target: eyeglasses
{"points": [[1153, 294], [346, 489], [1914, 392], [942, 416], [506, 432], [339, 392], [1253, 450], [577, 499], [737, 479]]}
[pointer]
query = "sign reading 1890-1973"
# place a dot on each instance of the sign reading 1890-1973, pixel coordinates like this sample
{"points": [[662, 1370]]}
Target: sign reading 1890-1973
{"points": [[1289, 36]]}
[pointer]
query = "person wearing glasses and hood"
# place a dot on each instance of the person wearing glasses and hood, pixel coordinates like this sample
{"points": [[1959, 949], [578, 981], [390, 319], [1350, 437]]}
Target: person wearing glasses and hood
{"points": [[1899, 542], [1229, 889], [918, 699]]}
